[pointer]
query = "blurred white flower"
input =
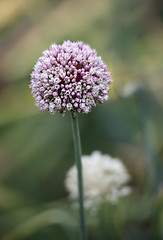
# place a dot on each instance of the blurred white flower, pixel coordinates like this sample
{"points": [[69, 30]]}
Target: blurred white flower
{"points": [[104, 179], [131, 88]]}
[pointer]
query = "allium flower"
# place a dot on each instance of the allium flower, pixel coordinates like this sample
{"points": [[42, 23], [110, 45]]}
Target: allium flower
{"points": [[69, 77], [104, 179]]}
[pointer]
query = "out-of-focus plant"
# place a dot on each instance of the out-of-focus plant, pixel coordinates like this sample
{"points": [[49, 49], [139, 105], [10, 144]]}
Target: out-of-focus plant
{"points": [[104, 177]]}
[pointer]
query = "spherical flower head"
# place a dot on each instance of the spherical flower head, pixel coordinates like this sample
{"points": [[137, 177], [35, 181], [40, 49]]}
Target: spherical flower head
{"points": [[70, 78], [104, 178]]}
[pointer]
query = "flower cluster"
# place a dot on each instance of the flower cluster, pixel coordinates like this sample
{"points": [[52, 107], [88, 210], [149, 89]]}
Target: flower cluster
{"points": [[104, 179], [69, 77]]}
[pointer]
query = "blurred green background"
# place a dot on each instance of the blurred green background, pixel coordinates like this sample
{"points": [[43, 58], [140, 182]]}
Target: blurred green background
{"points": [[36, 149]]}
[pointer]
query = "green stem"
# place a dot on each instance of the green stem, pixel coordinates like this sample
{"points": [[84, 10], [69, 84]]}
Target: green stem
{"points": [[77, 148]]}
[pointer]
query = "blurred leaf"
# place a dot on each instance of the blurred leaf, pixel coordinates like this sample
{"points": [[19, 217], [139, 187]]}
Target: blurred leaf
{"points": [[42, 220]]}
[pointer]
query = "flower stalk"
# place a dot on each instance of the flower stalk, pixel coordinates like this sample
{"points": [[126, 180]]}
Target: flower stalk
{"points": [[77, 149]]}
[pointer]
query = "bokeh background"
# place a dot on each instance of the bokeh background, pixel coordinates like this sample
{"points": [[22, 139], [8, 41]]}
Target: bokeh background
{"points": [[36, 149]]}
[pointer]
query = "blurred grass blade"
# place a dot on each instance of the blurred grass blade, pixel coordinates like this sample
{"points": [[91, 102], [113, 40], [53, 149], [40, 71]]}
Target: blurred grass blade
{"points": [[40, 221]]}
